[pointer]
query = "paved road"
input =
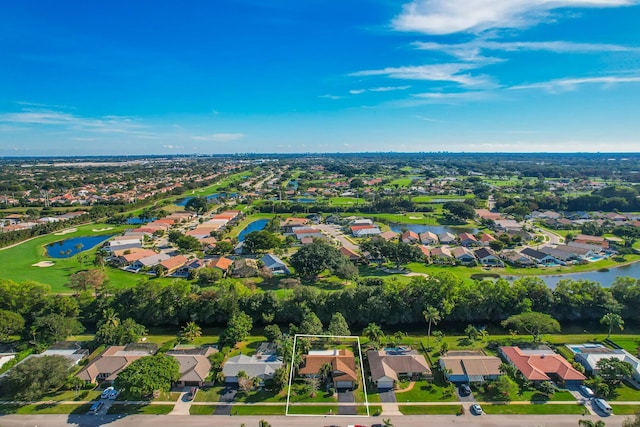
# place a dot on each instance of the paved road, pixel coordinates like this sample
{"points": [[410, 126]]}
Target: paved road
{"points": [[335, 232], [281, 421]]}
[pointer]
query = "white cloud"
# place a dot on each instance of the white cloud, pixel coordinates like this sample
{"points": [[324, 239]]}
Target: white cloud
{"points": [[472, 51], [219, 137], [569, 84], [388, 88], [453, 72], [327, 96], [452, 16], [357, 91]]}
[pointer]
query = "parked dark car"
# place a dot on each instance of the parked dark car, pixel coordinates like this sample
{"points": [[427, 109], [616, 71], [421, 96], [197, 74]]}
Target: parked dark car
{"points": [[465, 390], [192, 393]]}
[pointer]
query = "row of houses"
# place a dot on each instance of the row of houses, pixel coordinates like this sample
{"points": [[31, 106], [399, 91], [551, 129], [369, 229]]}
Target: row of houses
{"points": [[17, 222]]}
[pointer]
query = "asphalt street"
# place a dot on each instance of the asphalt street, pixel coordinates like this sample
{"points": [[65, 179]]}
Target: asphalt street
{"points": [[281, 421]]}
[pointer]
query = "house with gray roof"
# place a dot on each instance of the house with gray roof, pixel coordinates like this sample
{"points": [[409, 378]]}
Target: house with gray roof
{"points": [[113, 360], [194, 365], [275, 264], [261, 366]]}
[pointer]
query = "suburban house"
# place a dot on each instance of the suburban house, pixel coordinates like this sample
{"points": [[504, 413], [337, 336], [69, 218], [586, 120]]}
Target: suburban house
{"points": [[539, 257], [342, 362], [409, 237], [592, 240], [463, 255], [517, 259], [588, 356], [261, 365], [306, 232], [542, 365], [190, 266], [388, 235], [148, 262], [352, 255], [114, 359], [221, 263], [172, 264], [429, 238], [245, 267], [487, 257], [441, 255], [446, 238], [562, 256], [462, 367], [275, 264], [467, 239], [389, 365], [129, 256], [365, 230], [485, 239], [194, 365]]}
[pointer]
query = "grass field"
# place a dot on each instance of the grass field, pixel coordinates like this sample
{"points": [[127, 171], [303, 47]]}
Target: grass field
{"points": [[314, 410], [258, 410], [540, 409], [16, 263], [42, 409], [426, 391], [430, 410], [626, 409], [140, 409], [201, 409]]}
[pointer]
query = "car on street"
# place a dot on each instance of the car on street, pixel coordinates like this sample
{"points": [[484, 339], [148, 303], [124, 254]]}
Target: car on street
{"points": [[106, 392], [465, 390], [586, 391], [476, 409]]}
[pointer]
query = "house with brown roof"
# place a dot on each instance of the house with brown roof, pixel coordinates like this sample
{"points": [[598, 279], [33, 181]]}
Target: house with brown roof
{"points": [[463, 367], [352, 255], [409, 237], [134, 255], [467, 239], [542, 365], [194, 365], [113, 360], [389, 365], [222, 263], [463, 255], [441, 255], [342, 363], [172, 264], [429, 238], [388, 235]]}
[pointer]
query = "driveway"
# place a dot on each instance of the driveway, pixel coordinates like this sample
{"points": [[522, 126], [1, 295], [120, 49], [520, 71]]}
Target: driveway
{"points": [[335, 232], [228, 396], [346, 396], [387, 396], [465, 399], [183, 404]]}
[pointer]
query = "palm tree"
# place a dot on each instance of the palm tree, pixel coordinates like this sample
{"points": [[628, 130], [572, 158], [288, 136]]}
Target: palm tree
{"points": [[110, 317], [589, 423], [432, 316], [508, 370], [373, 333], [612, 320], [387, 422], [325, 372], [191, 331]]}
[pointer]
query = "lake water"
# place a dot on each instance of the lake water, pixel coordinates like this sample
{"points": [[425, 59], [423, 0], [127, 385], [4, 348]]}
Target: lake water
{"points": [[137, 220], [210, 197], [69, 247], [605, 278], [438, 229], [254, 226]]}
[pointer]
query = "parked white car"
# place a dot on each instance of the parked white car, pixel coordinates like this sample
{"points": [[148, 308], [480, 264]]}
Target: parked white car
{"points": [[106, 392]]}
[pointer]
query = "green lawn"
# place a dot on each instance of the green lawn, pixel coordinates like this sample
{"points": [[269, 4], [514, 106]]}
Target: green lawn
{"points": [[16, 263], [498, 408], [209, 394], [625, 393], [42, 409], [140, 409], [82, 395], [261, 396], [426, 391], [629, 344], [202, 409], [314, 410], [626, 409], [430, 409], [258, 410]]}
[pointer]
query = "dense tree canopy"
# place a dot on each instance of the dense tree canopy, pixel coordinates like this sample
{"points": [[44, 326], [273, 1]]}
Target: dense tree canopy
{"points": [[146, 375], [533, 323], [37, 376], [10, 323], [311, 260]]}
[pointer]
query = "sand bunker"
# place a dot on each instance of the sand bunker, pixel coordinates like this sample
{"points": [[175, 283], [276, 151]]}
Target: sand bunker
{"points": [[416, 217], [43, 264], [96, 230], [62, 233]]}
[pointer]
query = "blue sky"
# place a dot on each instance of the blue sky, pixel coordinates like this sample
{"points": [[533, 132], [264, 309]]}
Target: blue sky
{"points": [[237, 76]]}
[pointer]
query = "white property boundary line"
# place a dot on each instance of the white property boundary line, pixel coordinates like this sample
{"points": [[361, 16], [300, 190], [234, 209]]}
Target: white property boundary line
{"points": [[364, 383]]}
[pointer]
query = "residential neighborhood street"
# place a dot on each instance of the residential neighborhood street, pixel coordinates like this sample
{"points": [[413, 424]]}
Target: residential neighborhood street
{"points": [[281, 421]]}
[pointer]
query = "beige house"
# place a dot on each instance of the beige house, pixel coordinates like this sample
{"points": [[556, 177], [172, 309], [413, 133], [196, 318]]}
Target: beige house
{"points": [[194, 365], [389, 365], [113, 360]]}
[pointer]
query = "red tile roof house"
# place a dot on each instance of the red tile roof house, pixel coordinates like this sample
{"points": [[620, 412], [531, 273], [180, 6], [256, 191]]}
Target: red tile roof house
{"points": [[222, 263], [410, 237], [342, 362], [543, 365], [467, 239], [352, 255]]}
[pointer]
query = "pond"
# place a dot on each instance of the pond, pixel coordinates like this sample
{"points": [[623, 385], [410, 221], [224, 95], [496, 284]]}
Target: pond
{"points": [[138, 220], [210, 197], [605, 278], [437, 229], [254, 226], [305, 200], [70, 247]]}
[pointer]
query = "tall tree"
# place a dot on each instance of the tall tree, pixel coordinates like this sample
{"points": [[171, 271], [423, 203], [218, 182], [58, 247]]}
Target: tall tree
{"points": [[533, 323], [311, 324], [614, 370], [37, 376], [311, 260], [612, 320], [338, 325], [432, 316], [373, 333], [238, 328], [10, 323]]}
